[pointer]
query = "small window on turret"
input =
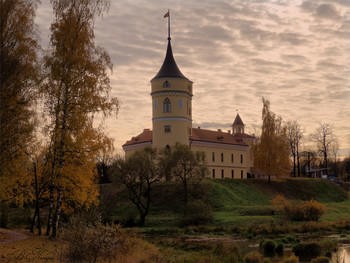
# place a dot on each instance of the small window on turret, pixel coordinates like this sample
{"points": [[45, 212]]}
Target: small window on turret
{"points": [[166, 84], [167, 128], [167, 105]]}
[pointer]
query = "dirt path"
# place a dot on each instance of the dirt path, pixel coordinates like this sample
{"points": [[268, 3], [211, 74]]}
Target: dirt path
{"points": [[8, 236]]}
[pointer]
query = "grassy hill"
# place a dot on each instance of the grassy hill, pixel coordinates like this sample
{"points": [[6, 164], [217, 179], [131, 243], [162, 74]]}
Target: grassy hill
{"points": [[235, 201], [231, 193]]}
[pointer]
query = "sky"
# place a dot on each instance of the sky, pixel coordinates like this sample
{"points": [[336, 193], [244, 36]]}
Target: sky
{"points": [[296, 54]]}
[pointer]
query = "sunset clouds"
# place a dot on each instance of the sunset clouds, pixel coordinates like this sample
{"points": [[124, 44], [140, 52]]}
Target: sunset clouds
{"points": [[294, 53]]}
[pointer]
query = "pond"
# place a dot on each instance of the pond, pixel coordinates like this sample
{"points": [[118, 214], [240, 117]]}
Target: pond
{"points": [[342, 255]]}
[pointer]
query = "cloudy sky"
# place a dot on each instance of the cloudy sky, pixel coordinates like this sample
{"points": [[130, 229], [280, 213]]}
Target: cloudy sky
{"points": [[293, 53]]}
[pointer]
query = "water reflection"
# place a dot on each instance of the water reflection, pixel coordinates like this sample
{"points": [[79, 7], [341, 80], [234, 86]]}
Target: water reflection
{"points": [[342, 255]]}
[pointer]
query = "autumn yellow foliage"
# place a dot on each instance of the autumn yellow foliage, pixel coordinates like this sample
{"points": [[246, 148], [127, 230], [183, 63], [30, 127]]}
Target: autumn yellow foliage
{"points": [[310, 210]]}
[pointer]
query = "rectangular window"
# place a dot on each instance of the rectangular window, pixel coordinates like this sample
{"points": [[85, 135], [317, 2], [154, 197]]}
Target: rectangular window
{"points": [[232, 174], [222, 173], [213, 156], [232, 158], [241, 158], [222, 157], [167, 128], [213, 173], [241, 174]]}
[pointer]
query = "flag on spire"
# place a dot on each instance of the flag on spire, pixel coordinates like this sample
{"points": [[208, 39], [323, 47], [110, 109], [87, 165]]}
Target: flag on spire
{"points": [[166, 15]]}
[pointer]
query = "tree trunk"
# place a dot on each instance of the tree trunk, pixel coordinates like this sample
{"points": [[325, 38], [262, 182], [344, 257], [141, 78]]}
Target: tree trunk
{"points": [[49, 221], [186, 197], [37, 208], [57, 214], [294, 166], [298, 163], [32, 226]]}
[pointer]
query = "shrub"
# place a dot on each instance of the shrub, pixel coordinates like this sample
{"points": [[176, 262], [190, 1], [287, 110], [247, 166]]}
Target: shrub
{"points": [[269, 248], [329, 244], [313, 210], [87, 243], [291, 259], [253, 257], [307, 251], [290, 239], [198, 213], [298, 211], [228, 252], [279, 247], [320, 259]]}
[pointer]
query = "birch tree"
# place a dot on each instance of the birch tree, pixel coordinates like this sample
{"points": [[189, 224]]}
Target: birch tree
{"points": [[19, 76], [76, 89], [271, 152]]}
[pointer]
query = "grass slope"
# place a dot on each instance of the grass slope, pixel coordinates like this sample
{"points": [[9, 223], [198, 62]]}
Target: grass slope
{"points": [[227, 194]]}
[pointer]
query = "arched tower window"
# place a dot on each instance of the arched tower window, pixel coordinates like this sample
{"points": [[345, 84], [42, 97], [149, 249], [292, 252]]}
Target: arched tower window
{"points": [[167, 105], [166, 84]]}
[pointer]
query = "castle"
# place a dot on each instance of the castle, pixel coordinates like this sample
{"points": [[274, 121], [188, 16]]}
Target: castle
{"points": [[228, 154]]}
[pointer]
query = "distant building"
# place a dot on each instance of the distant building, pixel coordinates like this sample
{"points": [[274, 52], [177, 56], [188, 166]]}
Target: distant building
{"points": [[228, 153]]}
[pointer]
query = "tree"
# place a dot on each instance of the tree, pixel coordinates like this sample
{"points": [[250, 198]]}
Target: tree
{"points": [[187, 167], [19, 76], [77, 87], [271, 152], [104, 160], [138, 173], [324, 137], [334, 150], [294, 135]]}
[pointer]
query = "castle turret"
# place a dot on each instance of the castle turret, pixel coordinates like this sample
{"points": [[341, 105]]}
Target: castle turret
{"points": [[237, 125], [171, 104]]}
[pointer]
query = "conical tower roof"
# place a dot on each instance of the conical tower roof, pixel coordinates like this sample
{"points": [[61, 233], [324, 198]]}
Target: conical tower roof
{"points": [[169, 67], [238, 120]]}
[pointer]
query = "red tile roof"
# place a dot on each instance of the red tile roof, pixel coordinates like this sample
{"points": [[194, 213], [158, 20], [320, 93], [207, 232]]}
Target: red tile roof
{"points": [[215, 136], [197, 135], [145, 136]]}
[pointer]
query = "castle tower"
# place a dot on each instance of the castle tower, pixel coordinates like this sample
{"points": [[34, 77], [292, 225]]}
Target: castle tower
{"points": [[171, 104], [237, 125]]}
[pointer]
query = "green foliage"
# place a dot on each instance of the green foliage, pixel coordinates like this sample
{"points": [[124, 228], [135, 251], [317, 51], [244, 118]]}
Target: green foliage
{"points": [[253, 257], [279, 247], [307, 251], [329, 245], [269, 248]]}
